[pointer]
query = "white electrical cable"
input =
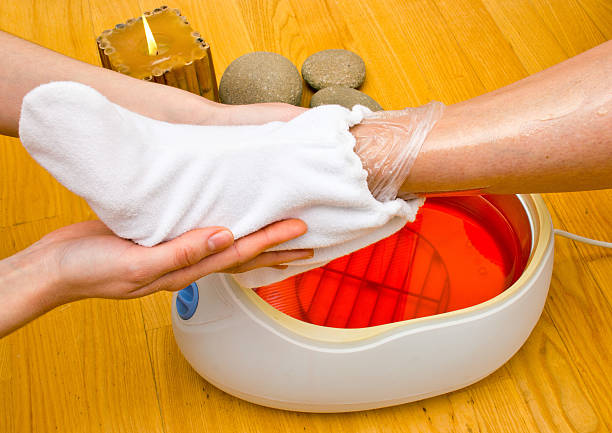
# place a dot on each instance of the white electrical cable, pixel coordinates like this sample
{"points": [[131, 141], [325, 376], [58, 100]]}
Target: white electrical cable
{"points": [[583, 239]]}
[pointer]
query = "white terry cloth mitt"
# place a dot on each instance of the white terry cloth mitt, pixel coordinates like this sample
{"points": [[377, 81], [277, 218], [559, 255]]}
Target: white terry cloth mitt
{"points": [[151, 181]]}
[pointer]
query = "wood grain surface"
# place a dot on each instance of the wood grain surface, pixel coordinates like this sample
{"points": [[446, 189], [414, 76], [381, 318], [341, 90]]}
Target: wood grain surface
{"points": [[113, 366]]}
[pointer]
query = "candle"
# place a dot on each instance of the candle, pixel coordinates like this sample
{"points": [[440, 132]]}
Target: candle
{"points": [[160, 46]]}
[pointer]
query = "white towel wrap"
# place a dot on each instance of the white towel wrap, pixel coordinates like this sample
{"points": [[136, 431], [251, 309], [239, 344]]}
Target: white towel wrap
{"points": [[151, 181]]}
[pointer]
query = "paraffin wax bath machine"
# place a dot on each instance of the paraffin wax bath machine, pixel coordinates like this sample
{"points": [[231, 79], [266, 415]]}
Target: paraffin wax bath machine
{"points": [[437, 306]]}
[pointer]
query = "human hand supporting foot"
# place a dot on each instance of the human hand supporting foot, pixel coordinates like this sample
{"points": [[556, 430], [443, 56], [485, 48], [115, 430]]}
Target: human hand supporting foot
{"points": [[87, 260]]}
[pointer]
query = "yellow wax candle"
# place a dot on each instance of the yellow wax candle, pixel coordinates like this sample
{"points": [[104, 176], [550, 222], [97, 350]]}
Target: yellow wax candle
{"points": [[182, 58]]}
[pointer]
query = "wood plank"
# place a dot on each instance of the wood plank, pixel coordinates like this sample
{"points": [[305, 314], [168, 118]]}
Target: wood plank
{"points": [[549, 382], [30, 194], [531, 40], [272, 26], [156, 310], [52, 24], [417, 32], [574, 30], [600, 12], [121, 390], [106, 15], [44, 365], [498, 405], [580, 291], [481, 41]]}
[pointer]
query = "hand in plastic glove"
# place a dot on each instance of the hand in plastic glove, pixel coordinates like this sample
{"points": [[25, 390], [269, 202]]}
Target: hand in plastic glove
{"points": [[388, 143], [549, 132]]}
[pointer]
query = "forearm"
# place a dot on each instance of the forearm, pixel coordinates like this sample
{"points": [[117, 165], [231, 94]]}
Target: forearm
{"points": [[25, 291], [35, 65], [549, 132]]}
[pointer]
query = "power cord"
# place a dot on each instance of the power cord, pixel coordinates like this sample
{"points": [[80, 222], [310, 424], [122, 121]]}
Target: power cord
{"points": [[583, 239]]}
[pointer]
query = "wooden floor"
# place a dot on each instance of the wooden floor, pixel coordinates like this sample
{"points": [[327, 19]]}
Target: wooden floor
{"points": [[109, 366]]}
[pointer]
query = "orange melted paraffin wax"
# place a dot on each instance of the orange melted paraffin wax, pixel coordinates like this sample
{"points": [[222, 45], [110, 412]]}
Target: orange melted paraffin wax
{"points": [[456, 254]]}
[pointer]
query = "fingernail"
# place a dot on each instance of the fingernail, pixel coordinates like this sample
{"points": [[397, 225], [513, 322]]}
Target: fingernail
{"points": [[220, 240]]}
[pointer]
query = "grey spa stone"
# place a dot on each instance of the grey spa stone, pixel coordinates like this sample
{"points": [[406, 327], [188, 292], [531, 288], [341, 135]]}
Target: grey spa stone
{"points": [[260, 77], [344, 96], [334, 67]]}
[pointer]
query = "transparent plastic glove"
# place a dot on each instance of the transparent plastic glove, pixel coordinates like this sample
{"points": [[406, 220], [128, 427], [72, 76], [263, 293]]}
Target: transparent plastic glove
{"points": [[388, 143]]}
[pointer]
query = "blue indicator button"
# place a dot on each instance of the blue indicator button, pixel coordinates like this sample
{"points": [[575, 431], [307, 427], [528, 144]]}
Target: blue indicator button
{"points": [[187, 301]]}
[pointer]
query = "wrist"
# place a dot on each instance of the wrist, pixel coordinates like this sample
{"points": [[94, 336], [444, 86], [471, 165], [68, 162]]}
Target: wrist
{"points": [[27, 290], [183, 107], [389, 142], [441, 166]]}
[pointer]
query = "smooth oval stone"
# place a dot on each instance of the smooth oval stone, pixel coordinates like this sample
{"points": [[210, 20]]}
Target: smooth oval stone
{"points": [[344, 96], [334, 68], [260, 77]]}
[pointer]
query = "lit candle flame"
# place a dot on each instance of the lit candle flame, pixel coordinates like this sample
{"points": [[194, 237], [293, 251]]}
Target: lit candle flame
{"points": [[151, 44]]}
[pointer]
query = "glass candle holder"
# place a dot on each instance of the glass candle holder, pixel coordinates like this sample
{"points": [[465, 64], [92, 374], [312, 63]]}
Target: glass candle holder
{"points": [[183, 59]]}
